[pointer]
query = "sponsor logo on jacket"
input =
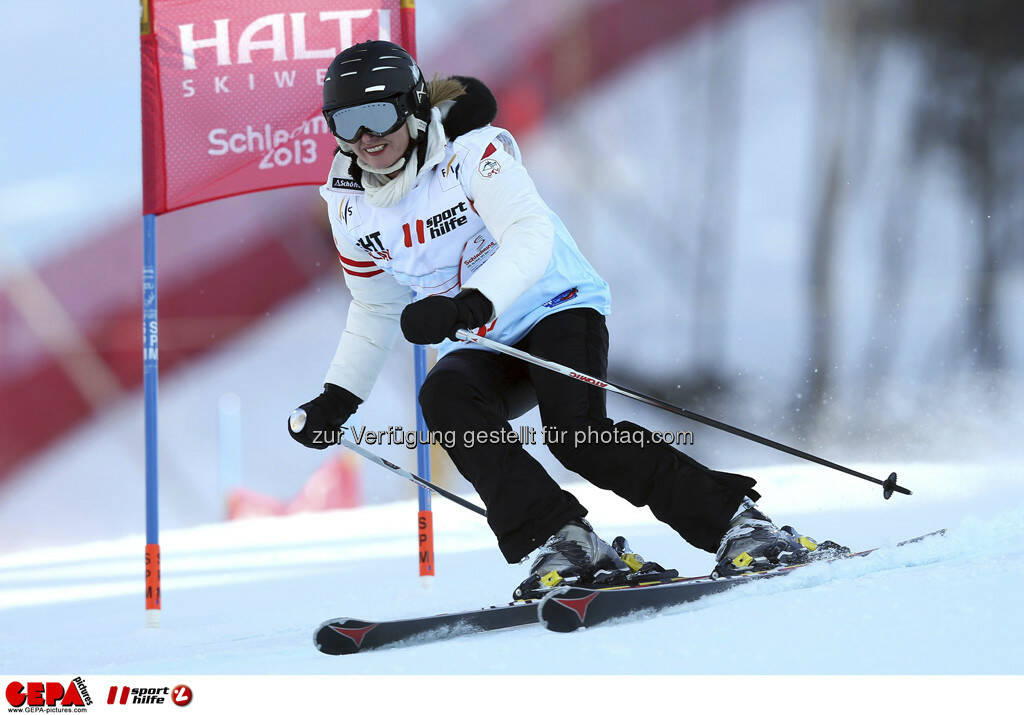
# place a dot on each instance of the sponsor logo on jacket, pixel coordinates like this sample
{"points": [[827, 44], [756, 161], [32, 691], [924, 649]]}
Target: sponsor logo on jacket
{"points": [[349, 214], [450, 173], [439, 224], [372, 244], [488, 167], [562, 297], [344, 182]]}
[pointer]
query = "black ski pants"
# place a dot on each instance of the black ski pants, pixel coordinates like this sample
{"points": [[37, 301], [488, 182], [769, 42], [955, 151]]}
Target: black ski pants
{"points": [[480, 391]]}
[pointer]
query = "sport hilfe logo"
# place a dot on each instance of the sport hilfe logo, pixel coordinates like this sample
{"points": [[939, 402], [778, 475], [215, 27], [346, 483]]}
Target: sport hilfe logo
{"points": [[139, 696], [439, 224], [36, 694], [127, 695]]}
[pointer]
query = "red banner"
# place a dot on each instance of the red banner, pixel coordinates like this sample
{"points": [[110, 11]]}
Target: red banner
{"points": [[231, 91]]}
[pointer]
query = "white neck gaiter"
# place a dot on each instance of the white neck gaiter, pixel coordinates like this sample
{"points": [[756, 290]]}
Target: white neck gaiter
{"points": [[384, 192]]}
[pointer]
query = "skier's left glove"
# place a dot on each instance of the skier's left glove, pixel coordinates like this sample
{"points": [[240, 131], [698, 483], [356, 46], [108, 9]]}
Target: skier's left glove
{"points": [[437, 317]]}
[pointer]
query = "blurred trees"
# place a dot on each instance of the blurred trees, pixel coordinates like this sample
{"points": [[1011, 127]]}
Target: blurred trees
{"points": [[970, 106]]}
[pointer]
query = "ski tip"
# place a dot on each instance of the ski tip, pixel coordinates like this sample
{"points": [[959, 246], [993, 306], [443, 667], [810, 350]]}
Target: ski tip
{"points": [[341, 636], [564, 610]]}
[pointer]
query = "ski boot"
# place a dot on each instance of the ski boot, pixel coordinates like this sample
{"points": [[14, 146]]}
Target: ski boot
{"points": [[573, 556], [753, 543]]}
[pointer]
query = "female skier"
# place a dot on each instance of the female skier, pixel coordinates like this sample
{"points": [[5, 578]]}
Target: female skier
{"points": [[439, 227]]}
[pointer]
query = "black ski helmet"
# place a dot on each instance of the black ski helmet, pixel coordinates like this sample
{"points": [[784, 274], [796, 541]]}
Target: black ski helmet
{"points": [[375, 71]]}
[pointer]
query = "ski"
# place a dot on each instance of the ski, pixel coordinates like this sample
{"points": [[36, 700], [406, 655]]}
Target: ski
{"points": [[566, 609], [343, 636]]}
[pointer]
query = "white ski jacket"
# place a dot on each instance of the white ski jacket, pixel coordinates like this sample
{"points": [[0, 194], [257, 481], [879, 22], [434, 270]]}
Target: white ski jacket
{"points": [[472, 218]]}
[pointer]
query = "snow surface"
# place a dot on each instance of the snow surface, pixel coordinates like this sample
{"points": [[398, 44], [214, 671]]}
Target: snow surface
{"points": [[244, 597]]}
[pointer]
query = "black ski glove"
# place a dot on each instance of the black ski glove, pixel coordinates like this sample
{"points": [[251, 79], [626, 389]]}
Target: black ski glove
{"points": [[437, 317], [324, 415]]}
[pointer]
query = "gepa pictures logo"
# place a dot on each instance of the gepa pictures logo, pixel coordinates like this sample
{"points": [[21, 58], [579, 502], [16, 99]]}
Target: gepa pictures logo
{"points": [[36, 694]]}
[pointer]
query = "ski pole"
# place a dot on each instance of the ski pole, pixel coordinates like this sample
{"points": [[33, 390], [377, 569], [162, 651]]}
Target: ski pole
{"points": [[888, 486], [297, 420]]}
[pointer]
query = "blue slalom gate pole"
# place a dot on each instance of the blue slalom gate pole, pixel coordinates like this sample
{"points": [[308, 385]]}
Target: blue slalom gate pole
{"points": [[426, 515], [150, 363]]}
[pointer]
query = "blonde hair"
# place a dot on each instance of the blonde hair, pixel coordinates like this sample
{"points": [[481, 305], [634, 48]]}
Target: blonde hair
{"points": [[442, 89]]}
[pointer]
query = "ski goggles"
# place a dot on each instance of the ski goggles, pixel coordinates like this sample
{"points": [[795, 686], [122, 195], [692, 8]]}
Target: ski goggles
{"points": [[377, 118]]}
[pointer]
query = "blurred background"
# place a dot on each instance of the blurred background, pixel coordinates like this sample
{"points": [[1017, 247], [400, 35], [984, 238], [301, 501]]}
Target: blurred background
{"points": [[810, 214]]}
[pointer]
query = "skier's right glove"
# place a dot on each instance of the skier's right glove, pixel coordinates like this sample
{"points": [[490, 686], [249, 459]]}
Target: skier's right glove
{"points": [[324, 415]]}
